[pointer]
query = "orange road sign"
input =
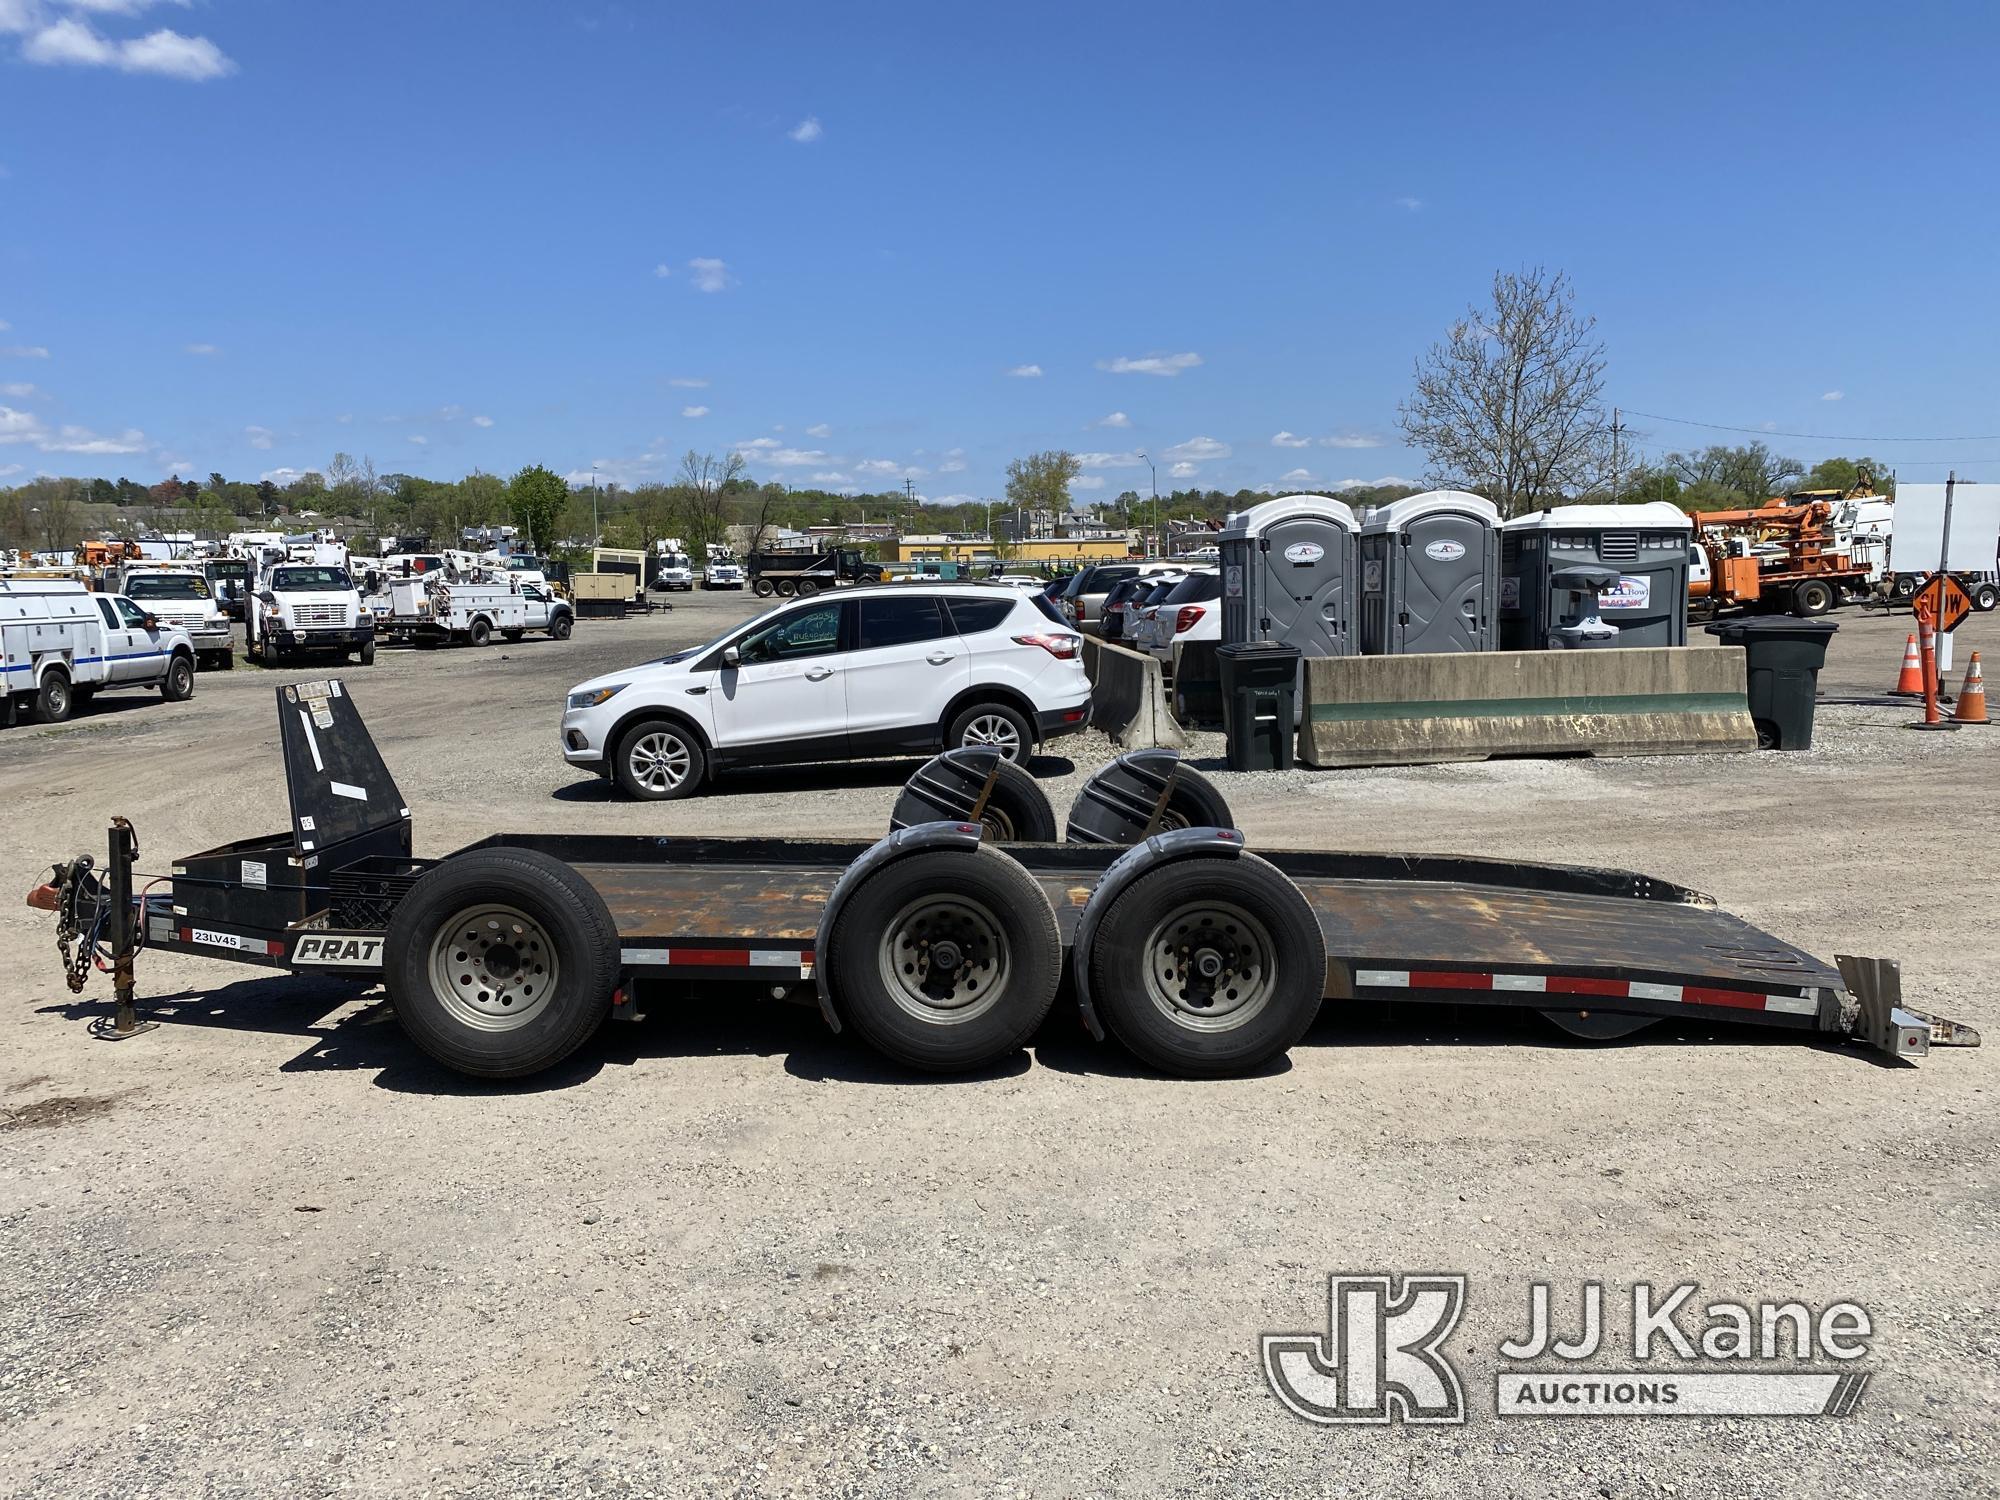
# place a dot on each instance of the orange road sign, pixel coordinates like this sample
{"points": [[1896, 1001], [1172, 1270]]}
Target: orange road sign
{"points": [[1942, 600]]}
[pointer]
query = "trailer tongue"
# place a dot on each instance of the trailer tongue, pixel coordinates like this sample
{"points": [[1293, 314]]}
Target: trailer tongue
{"points": [[943, 948]]}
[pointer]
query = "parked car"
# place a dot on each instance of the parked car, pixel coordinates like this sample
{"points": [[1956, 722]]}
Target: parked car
{"points": [[1021, 580], [908, 669], [1083, 598], [1149, 590], [1191, 611], [1111, 615]]}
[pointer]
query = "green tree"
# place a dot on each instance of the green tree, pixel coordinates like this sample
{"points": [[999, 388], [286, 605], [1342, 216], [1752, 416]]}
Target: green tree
{"points": [[537, 498], [1041, 481], [1845, 474], [1720, 477]]}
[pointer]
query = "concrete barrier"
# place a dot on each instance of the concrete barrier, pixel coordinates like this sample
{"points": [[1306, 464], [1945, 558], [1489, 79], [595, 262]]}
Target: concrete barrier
{"points": [[1128, 698], [1414, 710]]}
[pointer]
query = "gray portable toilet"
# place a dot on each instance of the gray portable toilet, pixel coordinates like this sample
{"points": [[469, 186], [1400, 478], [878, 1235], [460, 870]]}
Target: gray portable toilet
{"points": [[1430, 575], [1646, 544], [1289, 570]]}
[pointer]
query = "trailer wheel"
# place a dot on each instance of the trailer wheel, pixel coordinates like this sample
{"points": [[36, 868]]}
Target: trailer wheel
{"points": [[53, 702], [1598, 1025], [481, 633], [1018, 812], [763, 588], [178, 685], [1208, 968], [1195, 803], [946, 960], [658, 760], [1812, 598], [560, 627], [501, 962], [1985, 596]]}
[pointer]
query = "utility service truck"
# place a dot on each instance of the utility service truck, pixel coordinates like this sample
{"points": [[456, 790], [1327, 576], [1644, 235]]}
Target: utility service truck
{"points": [[723, 570], [60, 643], [183, 596], [303, 601]]}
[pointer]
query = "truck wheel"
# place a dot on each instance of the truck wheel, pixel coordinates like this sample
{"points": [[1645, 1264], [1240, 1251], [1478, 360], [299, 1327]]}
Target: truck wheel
{"points": [[995, 724], [481, 633], [53, 702], [1207, 968], [227, 661], [763, 588], [501, 962], [514, 634], [366, 655], [1812, 598], [947, 959], [560, 627], [1985, 596], [658, 760], [807, 588], [786, 588], [178, 685], [1904, 587]]}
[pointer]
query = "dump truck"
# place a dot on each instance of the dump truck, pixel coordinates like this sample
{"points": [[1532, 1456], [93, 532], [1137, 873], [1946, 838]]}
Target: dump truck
{"points": [[943, 945], [806, 573]]}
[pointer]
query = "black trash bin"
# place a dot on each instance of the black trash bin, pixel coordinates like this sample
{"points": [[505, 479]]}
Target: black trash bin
{"points": [[1259, 703], [1782, 658]]}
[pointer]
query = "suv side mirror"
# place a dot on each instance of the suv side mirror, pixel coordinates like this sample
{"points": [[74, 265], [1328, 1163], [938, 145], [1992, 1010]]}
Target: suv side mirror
{"points": [[731, 657]]}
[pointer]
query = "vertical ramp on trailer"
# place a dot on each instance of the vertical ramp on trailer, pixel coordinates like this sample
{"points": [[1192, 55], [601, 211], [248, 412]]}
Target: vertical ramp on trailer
{"points": [[339, 786]]}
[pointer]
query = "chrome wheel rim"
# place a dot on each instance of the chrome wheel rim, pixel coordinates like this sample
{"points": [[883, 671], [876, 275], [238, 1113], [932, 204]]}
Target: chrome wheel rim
{"points": [[493, 968], [660, 760], [995, 730], [944, 960], [1210, 966]]}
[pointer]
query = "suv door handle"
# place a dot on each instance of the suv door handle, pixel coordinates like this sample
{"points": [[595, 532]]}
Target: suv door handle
{"points": [[818, 674], [938, 658]]}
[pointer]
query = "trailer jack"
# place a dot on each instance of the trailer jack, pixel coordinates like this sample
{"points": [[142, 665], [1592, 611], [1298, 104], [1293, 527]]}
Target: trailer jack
{"points": [[96, 921]]}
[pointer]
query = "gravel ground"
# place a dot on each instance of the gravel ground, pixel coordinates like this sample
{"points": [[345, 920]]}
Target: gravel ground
{"points": [[267, 1248]]}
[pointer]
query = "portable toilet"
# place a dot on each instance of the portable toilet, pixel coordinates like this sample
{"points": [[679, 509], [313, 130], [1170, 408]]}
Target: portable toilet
{"points": [[1645, 544], [1430, 575], [1289, 570]]}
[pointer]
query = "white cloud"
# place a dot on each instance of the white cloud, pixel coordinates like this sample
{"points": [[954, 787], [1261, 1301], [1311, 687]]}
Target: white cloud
{"points": [[689, 383], [694, 411], [792, 458], [1184, 470], [261, 438], [819, 430], [8, 471], [24, 351], [954, 462], [807, 130], [1115, 419], [1834, 396], [482, 421], [18, 426], [5, 325], [757, 445], [1296, 476], [1109, 460], [958, 499], [710, 275], [285, 476], [70, 42], [19, 389], [663, 270], [420, 440], [203, 349], [1200, 449], [831, 476], [884, 466], [1350, 440], [1087, 482], [1410, 205], [1289, 440], [1150, 364], [83, 440], [1026, 372], [1355, 484]]}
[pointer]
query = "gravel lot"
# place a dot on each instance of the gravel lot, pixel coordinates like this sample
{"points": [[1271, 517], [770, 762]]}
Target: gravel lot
{"points": [[267, 1248]]}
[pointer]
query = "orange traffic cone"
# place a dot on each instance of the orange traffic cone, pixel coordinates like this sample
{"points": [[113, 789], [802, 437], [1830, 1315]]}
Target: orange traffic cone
{"points": [[1910, 684], [1972, 696]]}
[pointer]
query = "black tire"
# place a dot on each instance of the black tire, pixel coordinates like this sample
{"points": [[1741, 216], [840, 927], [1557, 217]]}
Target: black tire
{"points": [[763, 588], [807, 588], [367, 654], [1195, 803], [786, 588], [1985, 596], [1598, 1025], [558, 929], [1000, 725], [54, 702], [887, 985], [513, 634], [1018, 811], [1147, 955], [481, 632], [1812, 598], [178, 685], [560, 627], [646, 760], [1904, 586], [227, 661]]}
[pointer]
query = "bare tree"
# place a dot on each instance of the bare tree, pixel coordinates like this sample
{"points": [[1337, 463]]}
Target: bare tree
{"points": [[706, 483], [770, 496], [1510, 403]]}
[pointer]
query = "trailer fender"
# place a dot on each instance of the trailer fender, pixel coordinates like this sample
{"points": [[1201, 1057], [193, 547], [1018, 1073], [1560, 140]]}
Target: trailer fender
{"points": [[1140, 859], [902, 842]]}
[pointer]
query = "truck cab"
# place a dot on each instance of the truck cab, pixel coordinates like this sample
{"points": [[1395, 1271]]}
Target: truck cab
{"points": [[298, 608], [723, 571], [183, 597], [676, 572], [60, 643]]}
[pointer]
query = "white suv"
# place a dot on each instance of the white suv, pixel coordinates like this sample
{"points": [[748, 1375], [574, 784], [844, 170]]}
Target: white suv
{"points": [[870, 671]]}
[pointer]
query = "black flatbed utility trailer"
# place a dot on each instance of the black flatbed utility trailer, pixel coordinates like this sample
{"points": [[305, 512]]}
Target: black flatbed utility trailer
{"points": [[944, 949]]}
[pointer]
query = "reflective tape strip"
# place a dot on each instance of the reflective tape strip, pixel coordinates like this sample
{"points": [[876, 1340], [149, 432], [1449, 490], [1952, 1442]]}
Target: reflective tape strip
{"points": [[1383, 979], [797, 960], [1584, 985]]}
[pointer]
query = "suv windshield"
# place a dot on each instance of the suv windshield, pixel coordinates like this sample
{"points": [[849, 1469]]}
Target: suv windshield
{"points": [[297, 580], [166, 586]]}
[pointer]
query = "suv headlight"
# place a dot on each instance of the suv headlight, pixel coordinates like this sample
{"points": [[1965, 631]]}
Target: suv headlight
{"points": [[594, 696]]}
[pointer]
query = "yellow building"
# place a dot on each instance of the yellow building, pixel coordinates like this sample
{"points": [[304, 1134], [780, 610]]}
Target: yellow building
{"points": [[1041, 551]]}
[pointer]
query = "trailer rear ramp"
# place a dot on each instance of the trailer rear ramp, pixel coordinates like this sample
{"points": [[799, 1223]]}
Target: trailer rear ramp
{"points": [[940, 947]]}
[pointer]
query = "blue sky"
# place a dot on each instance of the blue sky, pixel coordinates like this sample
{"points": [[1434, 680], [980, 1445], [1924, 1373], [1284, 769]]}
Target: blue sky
{"points": [[238, 235]]}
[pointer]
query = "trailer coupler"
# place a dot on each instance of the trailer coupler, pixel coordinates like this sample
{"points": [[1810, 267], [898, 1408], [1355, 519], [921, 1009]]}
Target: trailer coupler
{"points": [[96, 921], [1888, 1025]]}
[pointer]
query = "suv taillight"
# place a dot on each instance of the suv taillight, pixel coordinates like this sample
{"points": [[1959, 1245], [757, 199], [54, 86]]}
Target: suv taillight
{"points": [[1062, 647], [1185, 620]]}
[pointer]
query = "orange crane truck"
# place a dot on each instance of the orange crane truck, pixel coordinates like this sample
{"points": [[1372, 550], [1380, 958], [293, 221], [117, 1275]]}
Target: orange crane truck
{"points": [[1783, 555]]}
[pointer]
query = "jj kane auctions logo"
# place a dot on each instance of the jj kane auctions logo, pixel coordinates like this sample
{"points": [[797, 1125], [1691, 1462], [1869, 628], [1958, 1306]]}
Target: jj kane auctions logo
{"points": [[1382, 1358]]}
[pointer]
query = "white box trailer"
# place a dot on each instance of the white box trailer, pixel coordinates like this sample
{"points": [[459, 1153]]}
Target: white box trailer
{"points": [[429, 610], [60, 643]]}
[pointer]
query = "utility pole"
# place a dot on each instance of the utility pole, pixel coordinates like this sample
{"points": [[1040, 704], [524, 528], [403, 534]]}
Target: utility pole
{"points": [[1615, 430], [596, 529], [1154, 471]]}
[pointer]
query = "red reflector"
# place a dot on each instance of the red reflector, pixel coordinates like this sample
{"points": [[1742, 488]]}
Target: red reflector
{"points": [[1073, 715]]}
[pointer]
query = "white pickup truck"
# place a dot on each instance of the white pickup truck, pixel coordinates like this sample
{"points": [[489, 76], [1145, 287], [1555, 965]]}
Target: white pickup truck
{"points": [[184, 597], [60, 643], [294, 608]]}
